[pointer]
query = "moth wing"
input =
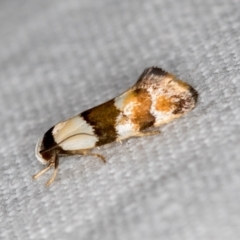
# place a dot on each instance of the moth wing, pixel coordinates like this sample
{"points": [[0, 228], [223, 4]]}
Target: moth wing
{"points": [[79, 142], [74, 134], [149, 76], [170, 96]]}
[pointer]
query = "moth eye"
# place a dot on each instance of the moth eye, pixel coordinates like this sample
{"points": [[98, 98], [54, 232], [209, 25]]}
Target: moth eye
{"points": [[47, 155]]}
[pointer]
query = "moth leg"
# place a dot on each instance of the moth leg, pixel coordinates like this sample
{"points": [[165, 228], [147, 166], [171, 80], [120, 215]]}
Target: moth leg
{"points": [[55, 171], [84, 153], [142, 134], [42, 171], [138, 134], [95, 155]]}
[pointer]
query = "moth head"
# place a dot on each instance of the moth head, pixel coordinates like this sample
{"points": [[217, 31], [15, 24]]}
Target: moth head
{"points": [[38, 155], [44, 150]]}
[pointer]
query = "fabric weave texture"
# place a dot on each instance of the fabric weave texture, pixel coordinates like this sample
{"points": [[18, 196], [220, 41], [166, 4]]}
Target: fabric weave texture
{"points": [[59, 58]]}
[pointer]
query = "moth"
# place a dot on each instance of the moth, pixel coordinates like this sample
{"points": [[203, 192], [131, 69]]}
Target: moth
{"points": [[155, 99]]}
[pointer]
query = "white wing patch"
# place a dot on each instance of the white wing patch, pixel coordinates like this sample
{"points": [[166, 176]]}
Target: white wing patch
{"points": [[79, 142], [125, 129], [71, 127]]}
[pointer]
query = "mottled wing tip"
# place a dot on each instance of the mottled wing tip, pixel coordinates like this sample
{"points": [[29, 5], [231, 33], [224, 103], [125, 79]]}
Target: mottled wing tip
{"points": [[152, 71], [155, 71], [150, 75], [194, 93]]}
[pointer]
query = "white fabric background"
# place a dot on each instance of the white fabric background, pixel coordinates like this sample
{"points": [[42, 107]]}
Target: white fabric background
{"points": [[58, 58]]}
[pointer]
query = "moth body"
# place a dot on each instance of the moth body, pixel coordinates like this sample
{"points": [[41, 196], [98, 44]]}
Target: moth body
{"points": [[155, 99]]}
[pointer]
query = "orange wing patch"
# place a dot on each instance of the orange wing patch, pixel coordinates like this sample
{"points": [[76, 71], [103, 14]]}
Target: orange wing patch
{"points": [[164, 104], [139, 101]]}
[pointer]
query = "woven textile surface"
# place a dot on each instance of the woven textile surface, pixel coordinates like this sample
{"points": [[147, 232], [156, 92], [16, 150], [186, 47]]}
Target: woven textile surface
{"points": [[59, 58]]}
